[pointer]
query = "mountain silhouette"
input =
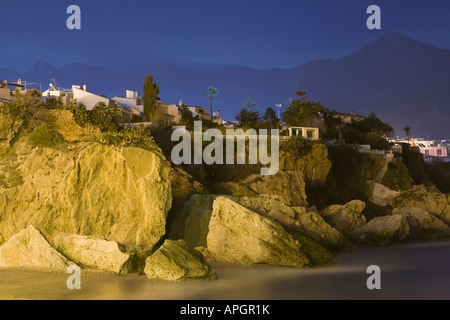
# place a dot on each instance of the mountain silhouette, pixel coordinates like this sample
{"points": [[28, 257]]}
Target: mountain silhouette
{"points": [[403, 81]]}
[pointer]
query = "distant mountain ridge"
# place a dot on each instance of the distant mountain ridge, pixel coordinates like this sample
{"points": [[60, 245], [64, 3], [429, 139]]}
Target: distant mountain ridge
{"points": [[403, 81]]}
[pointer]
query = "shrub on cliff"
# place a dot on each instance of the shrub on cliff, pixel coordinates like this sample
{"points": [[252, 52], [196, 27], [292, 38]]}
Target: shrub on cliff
{"points": [[296, 147], [397, 176], [130, 137], [101, 116], [44, 136]]}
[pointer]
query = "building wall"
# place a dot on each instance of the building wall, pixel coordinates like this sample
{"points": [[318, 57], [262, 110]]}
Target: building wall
{"points": [[87, 98], [129, 103], [434, 151], [5, 93]]}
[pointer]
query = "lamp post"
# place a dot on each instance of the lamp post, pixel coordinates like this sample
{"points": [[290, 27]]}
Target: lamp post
{"points": [[279, 106]]}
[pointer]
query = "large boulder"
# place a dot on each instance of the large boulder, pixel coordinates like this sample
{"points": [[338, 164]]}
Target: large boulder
{"points": [[429, 199], [101, 253], [312, 225], [290, 185], [122, 194], [274, 207], [382, 231], [379, 194], [30, 249], [423, 225], [241, 236], [345, 218], [176, 261]]}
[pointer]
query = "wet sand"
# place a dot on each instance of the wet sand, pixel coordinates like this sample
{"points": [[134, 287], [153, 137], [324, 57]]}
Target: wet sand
{"points": [[408, 271]]}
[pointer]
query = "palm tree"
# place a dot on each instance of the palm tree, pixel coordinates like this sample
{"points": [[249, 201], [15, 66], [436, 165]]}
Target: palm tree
{"points": [[407, 131], [212, 92]]}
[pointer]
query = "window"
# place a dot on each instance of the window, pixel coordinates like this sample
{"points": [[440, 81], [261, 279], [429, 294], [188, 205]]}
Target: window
{"points": [[427, 152], [439, 152]]}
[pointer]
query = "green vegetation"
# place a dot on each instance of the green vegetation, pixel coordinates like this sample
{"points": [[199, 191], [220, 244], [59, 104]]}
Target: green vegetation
{"points": [[44, 136], [248, 117], [52, 103], [187, 119], [101, 116], [270, 119], [296, 147], [397, 176], [211, 92], [151, 91], [130, 137], [303, 113], [22, 107]]}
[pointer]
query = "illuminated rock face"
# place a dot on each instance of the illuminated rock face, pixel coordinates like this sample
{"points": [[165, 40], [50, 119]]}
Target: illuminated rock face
{"points": [[382, 231], [100, 253], [176, 261], [241, 236], [122, 194], [345, 218], [423, 224], [29, 249], [429, 199]]}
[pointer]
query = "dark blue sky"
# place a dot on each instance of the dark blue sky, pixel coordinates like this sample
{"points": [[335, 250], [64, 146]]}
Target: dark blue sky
{"points": [[257, 33]]}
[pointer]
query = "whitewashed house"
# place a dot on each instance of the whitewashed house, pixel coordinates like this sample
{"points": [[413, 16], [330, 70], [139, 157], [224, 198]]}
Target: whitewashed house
{"points": [[87, 98], [132, 100], [63, 96]]}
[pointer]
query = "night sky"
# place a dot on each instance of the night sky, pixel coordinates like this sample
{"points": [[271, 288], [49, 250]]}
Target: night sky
{"points": [[256, 33]]}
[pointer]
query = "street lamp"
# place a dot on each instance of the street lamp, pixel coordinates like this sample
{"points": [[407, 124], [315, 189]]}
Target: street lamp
{"points": [[279, 106]]}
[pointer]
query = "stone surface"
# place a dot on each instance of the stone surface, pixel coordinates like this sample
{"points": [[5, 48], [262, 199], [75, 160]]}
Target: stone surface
{"points": [[183, 187], [241, 236], [29, 249], [315, 166], [382, 231], [345, 218], [423, 225], [274, 207], [429, 199], [122, 194], [176, 261], [312, 225], [101, 253], [379, 194], [198, 215], [289, 185]]}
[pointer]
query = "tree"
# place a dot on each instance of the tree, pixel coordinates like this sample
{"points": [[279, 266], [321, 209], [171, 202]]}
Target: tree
{"points": [[407, 131], [102, 116], [270, 118], [151, 91], [187, 119], [212, 92], [303, 113], [371, 124], [248, 117]]}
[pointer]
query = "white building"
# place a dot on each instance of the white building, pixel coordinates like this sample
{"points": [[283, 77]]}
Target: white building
{"points": [[131, 101], [306, 133], [87, 98], [62, 95]]}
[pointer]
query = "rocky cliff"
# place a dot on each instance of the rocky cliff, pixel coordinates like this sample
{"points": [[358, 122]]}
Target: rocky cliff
{"points": [[128, 210], [122, 194]]}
